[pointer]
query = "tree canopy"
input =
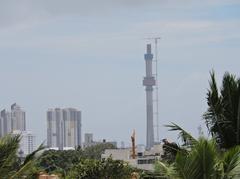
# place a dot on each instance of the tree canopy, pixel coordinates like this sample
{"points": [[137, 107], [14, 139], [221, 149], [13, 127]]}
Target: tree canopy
{"points": [[11, 166], [202, 160], [100, 169], [61, 161], [223, 114]]}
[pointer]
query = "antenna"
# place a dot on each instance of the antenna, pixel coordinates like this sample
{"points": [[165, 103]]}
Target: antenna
{"points": [[156, 39]]}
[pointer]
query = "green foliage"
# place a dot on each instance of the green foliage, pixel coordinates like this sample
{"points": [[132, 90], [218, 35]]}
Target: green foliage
{"points": [[100, 169], [223, 115], [8, 158], [152, 175], [95, 152], [231, 163], [10, 165], [165, 170], [170, 150], [203, 160], [186, 137], [200, 162], [61, 161]]}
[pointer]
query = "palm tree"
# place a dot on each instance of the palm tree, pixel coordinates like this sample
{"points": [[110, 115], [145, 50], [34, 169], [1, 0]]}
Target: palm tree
{"points": [[10, 165], [201, 159], [223, 115]]}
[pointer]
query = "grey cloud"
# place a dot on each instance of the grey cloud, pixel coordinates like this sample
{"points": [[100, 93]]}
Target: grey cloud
{"points": [[15, 12], [72, 6]]}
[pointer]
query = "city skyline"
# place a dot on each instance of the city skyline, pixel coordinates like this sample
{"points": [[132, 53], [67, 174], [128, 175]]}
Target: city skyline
{"points": [[89, 55]]}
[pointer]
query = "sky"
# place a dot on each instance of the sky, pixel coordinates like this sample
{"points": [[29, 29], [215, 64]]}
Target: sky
{"points": [[90, 55]]}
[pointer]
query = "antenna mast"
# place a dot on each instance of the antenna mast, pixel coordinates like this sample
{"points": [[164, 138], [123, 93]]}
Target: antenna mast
{"points": [[156, 77]]}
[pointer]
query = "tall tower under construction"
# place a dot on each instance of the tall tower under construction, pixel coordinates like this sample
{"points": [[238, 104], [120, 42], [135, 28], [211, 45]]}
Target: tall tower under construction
{"points": [[149, 81]]}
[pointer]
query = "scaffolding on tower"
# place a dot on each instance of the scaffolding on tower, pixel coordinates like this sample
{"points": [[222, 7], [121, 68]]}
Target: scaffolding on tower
{"points": [[156, 100]]}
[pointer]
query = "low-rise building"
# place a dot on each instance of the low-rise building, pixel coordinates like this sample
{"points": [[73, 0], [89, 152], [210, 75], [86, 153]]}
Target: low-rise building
{"points": [[88, 141], [144, 160]]}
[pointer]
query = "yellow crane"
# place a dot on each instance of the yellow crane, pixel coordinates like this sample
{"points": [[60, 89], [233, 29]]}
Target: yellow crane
{"points": [[133, 138]]}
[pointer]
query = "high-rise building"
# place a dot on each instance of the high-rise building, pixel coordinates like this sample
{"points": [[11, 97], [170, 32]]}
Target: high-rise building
{"points": [[14, 120], [27, 143], [1, 126], [54, 127], [5, 123], [18, 118], [72, 127], [14, 123], [149, 81], [63, 128]]}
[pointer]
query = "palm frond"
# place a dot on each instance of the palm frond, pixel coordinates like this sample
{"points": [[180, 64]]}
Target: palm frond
{"points": [[166, 170], [181, 165], [200, 162], [221, 115], [32, 155], [238, 113], [28, 163], [23, 170], [186, 137], [231, 162], [214, 101], [8, 150]]}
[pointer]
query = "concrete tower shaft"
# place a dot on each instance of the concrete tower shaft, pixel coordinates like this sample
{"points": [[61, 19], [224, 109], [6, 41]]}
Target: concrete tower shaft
{"points": [[149, 82]]}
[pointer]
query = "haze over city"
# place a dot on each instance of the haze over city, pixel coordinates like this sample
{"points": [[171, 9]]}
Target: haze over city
{"points": [[89, 55]]}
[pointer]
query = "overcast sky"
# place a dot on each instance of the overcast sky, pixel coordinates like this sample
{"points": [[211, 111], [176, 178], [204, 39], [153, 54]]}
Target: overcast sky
{"points": [[89, 55]]}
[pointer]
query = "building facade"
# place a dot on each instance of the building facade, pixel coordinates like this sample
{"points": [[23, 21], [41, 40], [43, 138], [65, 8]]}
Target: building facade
{"points": [[89, 141], [144, 160], [5, 123], [18, 118], [27, 143], [13, 120], [88, 137], [63, 128]]}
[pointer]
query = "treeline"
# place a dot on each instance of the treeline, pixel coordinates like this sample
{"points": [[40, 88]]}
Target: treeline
{"points": [[62, 161], [82, 164]]}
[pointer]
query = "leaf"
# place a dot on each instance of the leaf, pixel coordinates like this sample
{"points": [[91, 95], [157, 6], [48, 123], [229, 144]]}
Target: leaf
{"points": [[186, 137], [231, 162]]}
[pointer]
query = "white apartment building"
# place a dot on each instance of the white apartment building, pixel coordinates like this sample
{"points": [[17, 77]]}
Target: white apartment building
{"points": [[27, 143], [145, 159]]}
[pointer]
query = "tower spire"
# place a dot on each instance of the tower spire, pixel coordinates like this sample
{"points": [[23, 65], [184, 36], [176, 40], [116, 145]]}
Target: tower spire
{"points": [[149, 81]]}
